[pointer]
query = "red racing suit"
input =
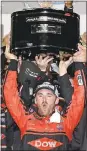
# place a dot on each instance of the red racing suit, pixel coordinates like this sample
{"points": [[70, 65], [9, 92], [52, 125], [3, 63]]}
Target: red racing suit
{"points": [[38, 133]]}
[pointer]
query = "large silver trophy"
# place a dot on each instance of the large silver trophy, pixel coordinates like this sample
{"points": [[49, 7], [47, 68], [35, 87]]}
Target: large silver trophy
{"points": [[44, 30]]}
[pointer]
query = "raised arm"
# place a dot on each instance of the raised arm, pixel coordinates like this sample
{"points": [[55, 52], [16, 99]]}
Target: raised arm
{"points": [[11, 94], [66, 89], [76, 107], [12, 98]]}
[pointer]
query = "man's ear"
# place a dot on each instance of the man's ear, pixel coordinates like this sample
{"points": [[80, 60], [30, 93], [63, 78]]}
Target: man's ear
{"points": [[35, 101], [57, 100]]}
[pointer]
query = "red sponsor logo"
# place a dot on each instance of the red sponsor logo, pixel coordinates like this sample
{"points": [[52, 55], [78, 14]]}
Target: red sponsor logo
{"points": [[45, 143], [67, 14], [2, 136]]}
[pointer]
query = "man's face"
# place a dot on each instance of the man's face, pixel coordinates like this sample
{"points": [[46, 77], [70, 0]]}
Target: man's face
{"points": [[45, 100]]}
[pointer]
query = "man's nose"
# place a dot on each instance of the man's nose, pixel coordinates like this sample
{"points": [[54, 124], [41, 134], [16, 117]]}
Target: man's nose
{"points": [[44, 99]]}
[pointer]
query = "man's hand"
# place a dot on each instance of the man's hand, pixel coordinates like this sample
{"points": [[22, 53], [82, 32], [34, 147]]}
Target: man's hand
{"points": [[9, 55], [6, 40], [63, 65], [80, 56], [43, 63]]}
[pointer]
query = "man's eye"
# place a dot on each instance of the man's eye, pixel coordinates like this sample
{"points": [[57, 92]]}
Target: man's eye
{"points": [[49, 95], [40, 95]]}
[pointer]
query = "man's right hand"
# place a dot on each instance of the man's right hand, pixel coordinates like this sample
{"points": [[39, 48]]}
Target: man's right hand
{"points": [[9, 55], [63, 65], [43, 63]]}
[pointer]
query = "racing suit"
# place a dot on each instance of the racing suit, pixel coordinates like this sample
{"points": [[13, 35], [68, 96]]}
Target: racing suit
{"points": [[79, 140], [38, 133]]}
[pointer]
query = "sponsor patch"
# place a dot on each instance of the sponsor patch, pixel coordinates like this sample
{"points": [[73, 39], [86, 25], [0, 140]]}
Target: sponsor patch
{"points": [[31, 110], [60, 127], [3, 120], [80, 81], [45, 143], [2, 136], [31, 73]]}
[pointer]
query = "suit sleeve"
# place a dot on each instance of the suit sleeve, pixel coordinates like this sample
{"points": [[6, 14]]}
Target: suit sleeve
{"points": [[79, 132], [65, 86], [76, 107], [12, 98]]}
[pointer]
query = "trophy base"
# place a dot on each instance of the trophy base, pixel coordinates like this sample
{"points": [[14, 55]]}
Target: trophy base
{"points": [[29, 53]]}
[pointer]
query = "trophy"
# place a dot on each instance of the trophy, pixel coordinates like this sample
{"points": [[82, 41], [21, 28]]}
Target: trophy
{"points": [[44, 30]]}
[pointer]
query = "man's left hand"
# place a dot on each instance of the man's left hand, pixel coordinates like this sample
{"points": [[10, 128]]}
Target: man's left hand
{"points": [[80, 56]]}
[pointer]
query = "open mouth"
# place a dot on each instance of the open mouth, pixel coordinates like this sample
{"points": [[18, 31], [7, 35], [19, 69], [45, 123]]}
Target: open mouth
{"points": [[45, 106]]}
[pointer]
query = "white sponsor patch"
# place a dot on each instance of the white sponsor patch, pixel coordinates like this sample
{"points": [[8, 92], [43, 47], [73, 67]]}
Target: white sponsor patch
{"points": [[31, 73], [38, 143], [80, 81], [54, 67], [30, 90]]}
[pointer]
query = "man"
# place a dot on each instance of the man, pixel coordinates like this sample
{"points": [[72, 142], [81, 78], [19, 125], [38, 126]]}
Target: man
{"points": [[44, 129], [79, 136]]}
